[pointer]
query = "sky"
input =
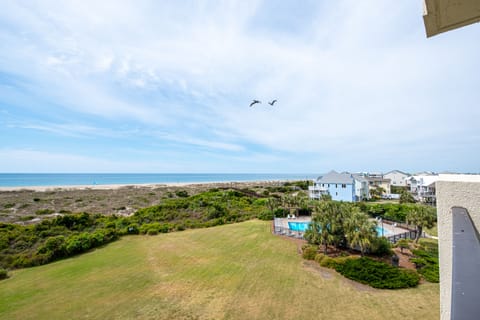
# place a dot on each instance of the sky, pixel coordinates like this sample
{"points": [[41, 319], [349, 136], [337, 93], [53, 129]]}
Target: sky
{"points": [[165, 87]]}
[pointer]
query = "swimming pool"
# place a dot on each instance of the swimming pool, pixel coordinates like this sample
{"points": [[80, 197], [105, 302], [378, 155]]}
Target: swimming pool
{"points": [[298, 226], [303, 226]]}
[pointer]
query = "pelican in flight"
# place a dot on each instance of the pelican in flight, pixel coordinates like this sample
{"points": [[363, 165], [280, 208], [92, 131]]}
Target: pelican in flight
{"points": [[254, 102]]}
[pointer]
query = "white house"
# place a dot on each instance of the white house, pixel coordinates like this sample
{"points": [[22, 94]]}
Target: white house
{"points": [[397, 178], [423, 187]]}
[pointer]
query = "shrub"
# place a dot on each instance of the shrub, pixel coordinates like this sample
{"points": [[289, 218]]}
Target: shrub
{"points": [[181, 193], [55, 246], [427, 263], [180, 227], [265, 215], [133, 228], [403, 244], [309, 252], [328, 262], [3, 274], [378, 274], [381, 247], [152, 232], [78, 243], [319, 257], [281, 212], [44, 211]]}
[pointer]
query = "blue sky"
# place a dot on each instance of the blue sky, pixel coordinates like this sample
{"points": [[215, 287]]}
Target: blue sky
{"points": [[165, 86]]}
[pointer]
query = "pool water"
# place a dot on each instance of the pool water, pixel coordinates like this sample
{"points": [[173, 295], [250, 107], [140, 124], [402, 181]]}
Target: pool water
{"points": [[298, 226], [303, 226]]}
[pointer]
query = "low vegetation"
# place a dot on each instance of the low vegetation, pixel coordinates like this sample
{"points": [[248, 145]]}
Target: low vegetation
{"points": [[392, 211], [235, 271], [3, 274], [377, 274], [71, 234], [426, 260], [365, 270], [335, 224], [344, 227]]}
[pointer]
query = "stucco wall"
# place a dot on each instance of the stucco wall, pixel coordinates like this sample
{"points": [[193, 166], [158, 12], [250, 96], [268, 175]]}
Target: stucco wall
{"points": [[453, 194]]}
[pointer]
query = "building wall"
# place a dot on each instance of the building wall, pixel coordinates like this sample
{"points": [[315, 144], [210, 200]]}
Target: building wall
{"points": [[341, 194], [450, 194], [396, 178], [361, 190]]}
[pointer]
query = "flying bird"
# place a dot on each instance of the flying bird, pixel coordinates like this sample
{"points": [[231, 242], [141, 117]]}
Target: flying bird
{"points": [[254, 102], [272, 102]]}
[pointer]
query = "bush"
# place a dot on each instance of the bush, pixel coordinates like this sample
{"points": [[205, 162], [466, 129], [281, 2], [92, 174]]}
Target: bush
{"points": [[427, 263], [133, 229], [44, 211], [309, 252], [328, 262], [378, 274], [265, 215], [381, 247], [152, 232], [181, 193], [402, 244], [281, 212], [3, 274], [319, 257], [55, 246]]}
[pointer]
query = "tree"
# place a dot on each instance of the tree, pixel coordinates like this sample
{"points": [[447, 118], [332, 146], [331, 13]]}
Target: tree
{"points": [[272, 204], [288, 202], [325, 197], [323, 225], [421, 216], [359, 230], [406, 197], [376, 193]]}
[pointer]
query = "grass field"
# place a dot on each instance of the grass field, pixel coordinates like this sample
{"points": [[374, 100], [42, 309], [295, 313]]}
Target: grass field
{"points": [[238, 271]]}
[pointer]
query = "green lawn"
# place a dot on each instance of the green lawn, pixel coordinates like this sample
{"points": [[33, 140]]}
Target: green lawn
{"points": [[238, 271]]}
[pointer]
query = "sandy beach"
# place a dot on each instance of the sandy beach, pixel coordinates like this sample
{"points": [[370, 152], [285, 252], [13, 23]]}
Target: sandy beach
{"points": [[139, 185], [28, 204], [98, 186]]}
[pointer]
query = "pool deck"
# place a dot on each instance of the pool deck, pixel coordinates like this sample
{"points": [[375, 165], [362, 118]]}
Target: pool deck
{"points": [[391, 230]]}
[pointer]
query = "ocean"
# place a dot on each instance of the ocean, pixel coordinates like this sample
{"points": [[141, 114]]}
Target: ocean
{"points": [[77, 179]]}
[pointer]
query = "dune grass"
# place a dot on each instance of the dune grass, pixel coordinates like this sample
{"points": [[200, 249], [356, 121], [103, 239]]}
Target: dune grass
{"points": [[238, 271]]}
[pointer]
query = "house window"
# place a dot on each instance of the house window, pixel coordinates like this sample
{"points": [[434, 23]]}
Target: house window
{"points": [[336, 193], [336, 186], [328, 185], [344, 186]]}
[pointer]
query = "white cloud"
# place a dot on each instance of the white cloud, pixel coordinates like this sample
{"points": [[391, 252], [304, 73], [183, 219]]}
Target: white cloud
{"points": [[350, 73]]}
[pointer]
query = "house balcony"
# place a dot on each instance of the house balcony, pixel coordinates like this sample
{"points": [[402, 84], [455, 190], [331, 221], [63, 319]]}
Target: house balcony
{"points": [[315, 192]]}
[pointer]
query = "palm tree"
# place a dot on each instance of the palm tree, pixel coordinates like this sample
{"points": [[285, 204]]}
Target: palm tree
{"points": [[272, 204], [327, 220], [421, 216], [359, 230]]}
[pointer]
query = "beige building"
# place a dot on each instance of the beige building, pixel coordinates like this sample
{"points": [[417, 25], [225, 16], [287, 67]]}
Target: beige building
{"points": [[397, 178], [456, 191], [458, 196]]}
